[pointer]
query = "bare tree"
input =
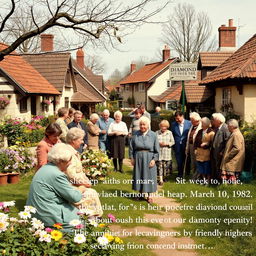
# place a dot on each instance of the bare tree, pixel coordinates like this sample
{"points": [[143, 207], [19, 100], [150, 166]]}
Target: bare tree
{"points": [[95, 64], [188, 32], [105, 20]]}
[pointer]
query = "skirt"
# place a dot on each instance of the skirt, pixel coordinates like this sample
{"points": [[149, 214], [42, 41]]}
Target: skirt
{"points": [[204, 167], [117, 147]]}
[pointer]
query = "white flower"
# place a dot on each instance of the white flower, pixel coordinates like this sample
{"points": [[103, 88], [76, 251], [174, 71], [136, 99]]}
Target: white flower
{"points": [[37, 224], [3, 225], [29, 209], [79, 238], [104, 165], [8, 204], [13, 219], [74, 222], [93, 223], [3, 217], [45, 237], [24, 215], [102, 240]]}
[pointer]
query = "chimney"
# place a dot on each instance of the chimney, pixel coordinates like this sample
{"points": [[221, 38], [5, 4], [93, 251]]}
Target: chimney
{"points": [[133, 67], [166, 53], [227, 37], [46, 42], [80, 58]]}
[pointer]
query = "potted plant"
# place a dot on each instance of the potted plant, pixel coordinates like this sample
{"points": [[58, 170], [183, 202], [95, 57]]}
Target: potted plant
{"points": [[4, 161]]}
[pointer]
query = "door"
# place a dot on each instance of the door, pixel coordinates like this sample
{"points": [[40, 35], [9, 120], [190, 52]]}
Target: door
{"points": [[33, 105]]}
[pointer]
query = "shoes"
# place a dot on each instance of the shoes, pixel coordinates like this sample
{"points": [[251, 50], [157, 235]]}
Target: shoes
{"points": [[161, 183], [121, 171], [115, 170]]}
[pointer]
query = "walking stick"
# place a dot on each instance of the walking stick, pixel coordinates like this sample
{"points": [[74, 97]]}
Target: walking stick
{"points": [[185, 166]]}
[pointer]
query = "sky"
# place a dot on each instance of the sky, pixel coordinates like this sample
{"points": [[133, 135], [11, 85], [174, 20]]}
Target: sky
{"points": [[145, 41]]}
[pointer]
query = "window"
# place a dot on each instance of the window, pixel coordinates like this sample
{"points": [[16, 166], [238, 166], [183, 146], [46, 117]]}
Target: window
{"points": [[226, 96], [141, 87], [168, 83], [24, 104], [127, 88], [136, 88], [171, 105], [66, 102]]}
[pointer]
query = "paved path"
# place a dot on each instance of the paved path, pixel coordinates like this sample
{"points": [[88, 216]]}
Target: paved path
{"points": [[168, 224]]}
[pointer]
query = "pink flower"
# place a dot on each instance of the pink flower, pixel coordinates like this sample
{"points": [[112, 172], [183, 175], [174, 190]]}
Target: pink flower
{"points": [[79, 226], [111, 217], [48, 230]]}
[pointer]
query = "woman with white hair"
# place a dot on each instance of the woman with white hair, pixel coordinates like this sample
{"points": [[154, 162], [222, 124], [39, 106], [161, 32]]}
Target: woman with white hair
{"points": [[93, 132], [144, 152], [202, 145], [117, 132], [51, 193], [77, 177]]}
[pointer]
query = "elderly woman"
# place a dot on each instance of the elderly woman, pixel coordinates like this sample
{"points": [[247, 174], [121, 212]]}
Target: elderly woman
{"points": [[93, 132], [62, 116], [52, 134], [117, 132], [202, 145], [135, 126], [144, 152], [51, 192], [166, 141], [77, 177], [234, 154], [196, 126]]}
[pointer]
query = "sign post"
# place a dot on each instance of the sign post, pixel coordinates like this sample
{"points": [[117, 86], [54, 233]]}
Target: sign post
{"points": [[183, 71]]}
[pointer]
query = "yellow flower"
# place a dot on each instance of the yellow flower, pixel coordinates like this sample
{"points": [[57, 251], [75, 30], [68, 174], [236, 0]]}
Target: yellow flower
{"points": [[102, 225], [58, 226], [56, 235], [12, 228], [63, 241], [118, 240], [109, 237], [3, 252]]}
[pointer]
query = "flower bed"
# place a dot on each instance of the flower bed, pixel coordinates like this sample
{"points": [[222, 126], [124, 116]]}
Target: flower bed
{"points": [[28, 133], [26, 235], [96, 164], [16, 159]]}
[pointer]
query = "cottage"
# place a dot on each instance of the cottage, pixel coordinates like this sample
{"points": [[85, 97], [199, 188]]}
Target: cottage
{"points": [[26, 91]]}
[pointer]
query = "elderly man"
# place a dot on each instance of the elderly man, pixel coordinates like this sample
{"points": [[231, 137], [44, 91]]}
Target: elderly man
{"points": [[219, 143], [190, 152], [234, 154], [180, 130], [103, 123], [77, 123]]}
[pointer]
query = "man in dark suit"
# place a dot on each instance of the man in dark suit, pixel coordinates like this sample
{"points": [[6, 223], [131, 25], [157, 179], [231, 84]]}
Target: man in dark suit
{"points": [[78, 124], [180, 130], [219, 143]]}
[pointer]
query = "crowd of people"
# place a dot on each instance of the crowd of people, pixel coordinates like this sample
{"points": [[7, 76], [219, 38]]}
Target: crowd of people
{"points": [[204, 149]]}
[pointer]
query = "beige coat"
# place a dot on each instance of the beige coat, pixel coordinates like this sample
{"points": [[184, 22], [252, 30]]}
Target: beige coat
{"points": [[203, 153], [234, 154], [93, 136]]}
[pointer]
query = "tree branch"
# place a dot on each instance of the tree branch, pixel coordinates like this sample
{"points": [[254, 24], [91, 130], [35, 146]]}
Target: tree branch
{"points": [[8, 16]]}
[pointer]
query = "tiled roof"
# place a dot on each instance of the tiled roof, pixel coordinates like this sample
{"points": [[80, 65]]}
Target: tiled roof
{"points": [[147, 72], [24, 75], [194, 93], [53, 66], [86, 92], [213, 59], [96, 80], [242, 64]]}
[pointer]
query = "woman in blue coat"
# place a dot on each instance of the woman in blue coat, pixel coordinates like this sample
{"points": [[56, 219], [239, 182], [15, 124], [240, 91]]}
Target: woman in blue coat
{"points": [[51, 193], [144, 151]]}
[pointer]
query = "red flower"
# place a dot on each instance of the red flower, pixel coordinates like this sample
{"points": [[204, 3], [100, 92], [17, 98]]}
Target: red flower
{"points": [[58, 225]]}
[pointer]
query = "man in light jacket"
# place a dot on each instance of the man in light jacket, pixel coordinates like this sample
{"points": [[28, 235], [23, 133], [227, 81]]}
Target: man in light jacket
{"points": [[234, 154]]}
